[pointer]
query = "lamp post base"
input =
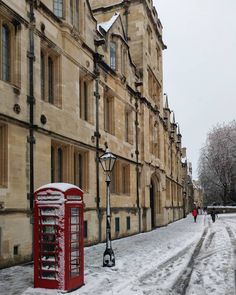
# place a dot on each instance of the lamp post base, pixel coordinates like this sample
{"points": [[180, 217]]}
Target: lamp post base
{"points": [[108, 258]]}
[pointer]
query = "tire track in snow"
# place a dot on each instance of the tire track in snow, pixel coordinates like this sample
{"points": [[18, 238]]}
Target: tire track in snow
{"points": [[154, 273], [183, 279], [233, 242]]}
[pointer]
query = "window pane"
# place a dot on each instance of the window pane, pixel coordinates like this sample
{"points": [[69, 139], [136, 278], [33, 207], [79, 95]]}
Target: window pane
{"points": [[113, 55], [74, 242], [71, 12], [50, 81], [52, 165], [126, 126], [117, 224], [3, 155], [42, 75], [128, 222], [77, 14], [5, 53], [58, 8], [84, 100], [60, 165], [79, 166]]}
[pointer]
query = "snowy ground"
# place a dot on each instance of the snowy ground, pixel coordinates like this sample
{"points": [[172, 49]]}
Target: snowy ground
{"points": [[184, 258]]}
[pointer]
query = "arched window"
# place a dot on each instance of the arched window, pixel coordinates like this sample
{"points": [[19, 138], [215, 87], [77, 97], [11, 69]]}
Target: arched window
{"points": [[58, 8], [6, 53]]}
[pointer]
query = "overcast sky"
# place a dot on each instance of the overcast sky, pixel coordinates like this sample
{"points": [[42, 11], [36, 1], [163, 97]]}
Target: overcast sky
{"points": [[199, 66]]}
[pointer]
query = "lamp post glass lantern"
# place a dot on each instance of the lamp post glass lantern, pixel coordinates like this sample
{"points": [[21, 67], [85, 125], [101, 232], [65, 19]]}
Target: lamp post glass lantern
{"points": [[107, 161]]}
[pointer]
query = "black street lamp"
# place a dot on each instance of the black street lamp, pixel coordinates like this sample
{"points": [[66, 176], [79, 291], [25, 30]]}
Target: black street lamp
{"points": [[107, 161]]}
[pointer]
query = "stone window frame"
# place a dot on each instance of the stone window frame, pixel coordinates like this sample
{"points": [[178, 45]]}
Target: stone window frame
{"points": [[46, 55], [156, 141], [129, 130], [68, 164], [154, 136], [123, 61], [117, 224], [81, 176], [74, 15], [154, 88], [168, 190], [86, 106], [158, 57], [149, 41], [14, 52], [3, 155], [151, 133], [120, 184], [128, 223], [57, 164], [59, 8], [113, 55], [109, 114], [125, 180]]}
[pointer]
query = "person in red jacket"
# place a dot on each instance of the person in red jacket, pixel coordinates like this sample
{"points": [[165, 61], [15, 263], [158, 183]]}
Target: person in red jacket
{"points": [[194, 213]]}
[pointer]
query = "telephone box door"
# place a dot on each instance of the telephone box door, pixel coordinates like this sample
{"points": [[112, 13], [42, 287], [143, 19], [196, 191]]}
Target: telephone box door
{"points": [[75, 246]]}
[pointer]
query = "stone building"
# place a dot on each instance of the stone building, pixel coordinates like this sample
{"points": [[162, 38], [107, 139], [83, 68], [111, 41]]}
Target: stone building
{"points": [[187, 183], [76, 76], [197, 194]]}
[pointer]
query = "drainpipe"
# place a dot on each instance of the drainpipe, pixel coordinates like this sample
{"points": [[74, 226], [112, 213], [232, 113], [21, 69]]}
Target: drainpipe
{"points": [[97, 135], [137, 96], [31, 102], [137, 165], [171, 175]]}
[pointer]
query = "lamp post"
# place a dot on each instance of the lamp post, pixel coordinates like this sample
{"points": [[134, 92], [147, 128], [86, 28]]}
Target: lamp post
{"points": [[107, 161]]}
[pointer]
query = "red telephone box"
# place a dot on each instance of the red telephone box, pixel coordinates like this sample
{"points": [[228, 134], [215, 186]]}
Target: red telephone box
{"points": [[58, 237]]}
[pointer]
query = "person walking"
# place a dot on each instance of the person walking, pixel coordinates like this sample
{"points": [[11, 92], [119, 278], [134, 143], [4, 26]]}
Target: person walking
{"points": [[194, 213], [213, 215]]}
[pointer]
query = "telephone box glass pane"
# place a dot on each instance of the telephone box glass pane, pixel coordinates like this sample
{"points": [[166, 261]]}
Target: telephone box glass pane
{"points": [[48, 242], [74, 242]]}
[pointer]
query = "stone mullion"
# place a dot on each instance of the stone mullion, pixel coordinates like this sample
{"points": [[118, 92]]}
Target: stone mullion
{"points": [[0, 49], [81, 99], [56, 81], [12, 55], [86, 170], [17, 71]]}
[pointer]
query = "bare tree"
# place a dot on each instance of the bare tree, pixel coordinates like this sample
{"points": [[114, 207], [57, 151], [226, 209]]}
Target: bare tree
{"points": [[217, 164]]}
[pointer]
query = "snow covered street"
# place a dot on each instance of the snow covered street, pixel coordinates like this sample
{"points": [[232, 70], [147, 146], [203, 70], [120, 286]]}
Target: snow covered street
{"points": [[182, 258]]}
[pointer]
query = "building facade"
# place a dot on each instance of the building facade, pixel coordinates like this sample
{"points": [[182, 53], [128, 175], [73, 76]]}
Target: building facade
{"points": [[75, 77], [197, 194]]}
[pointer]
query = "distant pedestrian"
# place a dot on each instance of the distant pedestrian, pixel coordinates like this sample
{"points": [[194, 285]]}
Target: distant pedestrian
{"points": [[194, 213], [213, 215]]}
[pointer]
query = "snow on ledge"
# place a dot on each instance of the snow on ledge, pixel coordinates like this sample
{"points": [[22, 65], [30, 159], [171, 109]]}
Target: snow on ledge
{"points": [[107, 25]]}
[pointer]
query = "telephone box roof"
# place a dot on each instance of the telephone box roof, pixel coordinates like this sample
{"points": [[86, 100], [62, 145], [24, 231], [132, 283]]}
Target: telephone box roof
{"points": [[61, 186]]}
